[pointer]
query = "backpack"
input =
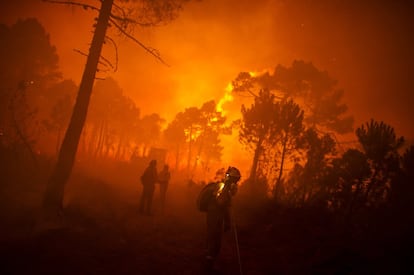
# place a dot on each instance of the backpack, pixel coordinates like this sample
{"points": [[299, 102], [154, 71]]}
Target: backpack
{"points": [[205, 195]]}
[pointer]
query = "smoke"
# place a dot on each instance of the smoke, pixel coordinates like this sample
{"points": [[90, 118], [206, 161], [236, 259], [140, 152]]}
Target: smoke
{"points": [[365, 45]]}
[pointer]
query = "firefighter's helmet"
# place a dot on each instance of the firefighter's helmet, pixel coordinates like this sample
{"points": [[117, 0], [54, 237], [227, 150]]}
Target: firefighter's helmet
{"points": [[233, 174]]}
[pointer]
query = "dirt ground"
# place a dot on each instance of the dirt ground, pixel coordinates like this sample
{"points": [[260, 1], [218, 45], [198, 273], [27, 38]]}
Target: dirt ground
{"points": [[103, 233]]}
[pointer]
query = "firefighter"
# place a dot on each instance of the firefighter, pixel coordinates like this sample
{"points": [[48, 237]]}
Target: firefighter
{"points": [[164, 179], [218, 213], [148, 179]]}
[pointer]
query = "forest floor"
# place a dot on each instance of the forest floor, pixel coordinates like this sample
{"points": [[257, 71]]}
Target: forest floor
{"points": [[103, 233]]}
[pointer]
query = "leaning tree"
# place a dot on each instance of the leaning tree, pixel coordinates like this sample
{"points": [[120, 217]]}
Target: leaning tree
{"points": [[121, 15]]}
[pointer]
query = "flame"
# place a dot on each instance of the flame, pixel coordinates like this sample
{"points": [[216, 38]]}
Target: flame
{"points": [[229, 87], [261, 72], [228, 97], [194, 135], [253, 74]]}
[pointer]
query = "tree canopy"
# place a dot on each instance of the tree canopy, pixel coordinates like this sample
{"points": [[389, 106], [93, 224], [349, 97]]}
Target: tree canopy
{"points": [[313, 89]]}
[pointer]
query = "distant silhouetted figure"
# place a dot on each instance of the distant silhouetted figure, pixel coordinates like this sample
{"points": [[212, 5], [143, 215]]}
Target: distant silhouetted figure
{"points": [[148, 179], [164, 179], [215, 199]]}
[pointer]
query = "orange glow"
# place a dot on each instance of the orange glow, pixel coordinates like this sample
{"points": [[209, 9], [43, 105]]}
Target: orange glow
{"points": [[261, 72], [194, 134], [253, 74], [192, 85], [212, 41], [228, 97], [328, 214]]}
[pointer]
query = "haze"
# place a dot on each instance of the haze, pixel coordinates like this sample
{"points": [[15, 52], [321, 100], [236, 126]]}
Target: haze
{"points": [[315, 194], [366, 46]]}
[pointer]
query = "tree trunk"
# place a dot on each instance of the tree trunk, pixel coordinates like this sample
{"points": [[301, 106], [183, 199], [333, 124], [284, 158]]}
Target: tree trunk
{"points": [[177, 157], [53, 198], [58, 138], [19, 130], [101, 140], [189, 153], [277, 188], [257, 153], [119, 147], [200, 149]]}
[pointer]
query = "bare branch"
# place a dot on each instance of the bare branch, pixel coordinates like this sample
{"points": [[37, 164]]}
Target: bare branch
{"points": [[106, 62], [116, 52], [151, 51], [85, 6], [113, 19], [125, 19], [80, 52], [252, 93], [245, 93]]}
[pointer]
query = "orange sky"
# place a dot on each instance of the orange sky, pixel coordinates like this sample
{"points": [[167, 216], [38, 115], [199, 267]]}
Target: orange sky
{"points": [[365, 45]]}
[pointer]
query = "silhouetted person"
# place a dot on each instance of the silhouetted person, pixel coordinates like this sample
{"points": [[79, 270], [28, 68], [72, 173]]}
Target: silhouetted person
{"points": [[164, 179], [148, 179], [218, 213]]}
